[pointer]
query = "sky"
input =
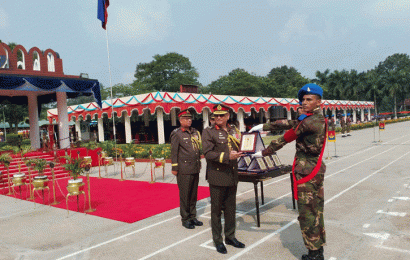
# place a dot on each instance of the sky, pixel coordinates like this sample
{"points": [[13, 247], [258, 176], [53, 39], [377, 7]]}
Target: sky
{"points": [[217, 36]]}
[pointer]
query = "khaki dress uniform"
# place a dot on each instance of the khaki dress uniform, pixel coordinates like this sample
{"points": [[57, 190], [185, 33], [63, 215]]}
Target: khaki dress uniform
{"points": [[222, 176], [185, 157]]}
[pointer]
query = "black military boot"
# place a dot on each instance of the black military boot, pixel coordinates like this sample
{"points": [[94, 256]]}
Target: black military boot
{"points": [[314, 255]]}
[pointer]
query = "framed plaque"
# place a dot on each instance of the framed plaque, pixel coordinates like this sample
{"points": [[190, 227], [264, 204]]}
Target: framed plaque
{"points": [[275, 159], [261, 163], [248, 143], [251, 143], [269, 162], [244, 163], [247, 160]]}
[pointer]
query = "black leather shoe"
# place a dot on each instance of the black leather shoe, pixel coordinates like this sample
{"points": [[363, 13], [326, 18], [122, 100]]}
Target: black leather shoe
{"points": [[221, 248], [235, 243], [196, 222], [188, 225]]}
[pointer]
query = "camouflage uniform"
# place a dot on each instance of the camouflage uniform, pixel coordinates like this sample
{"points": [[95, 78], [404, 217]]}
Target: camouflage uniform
{"points": [[311, 134], [348, 124], [343, 124], [331, 125]]}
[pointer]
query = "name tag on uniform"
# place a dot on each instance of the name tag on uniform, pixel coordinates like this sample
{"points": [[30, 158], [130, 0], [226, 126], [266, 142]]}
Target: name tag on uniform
{"points": [[221, 137], [186, 138]]}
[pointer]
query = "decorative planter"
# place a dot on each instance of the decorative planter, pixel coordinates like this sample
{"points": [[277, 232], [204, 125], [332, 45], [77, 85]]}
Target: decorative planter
{"points": [[88, 160], [40, 181], [74, 187], [19, 179], [108, 161], [129, 161]]}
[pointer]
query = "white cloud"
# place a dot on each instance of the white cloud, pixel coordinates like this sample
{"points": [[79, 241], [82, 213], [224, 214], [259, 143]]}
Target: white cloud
{"points": [[392, 8], [372, 44], [297, 27], [3, 18], [133, 22]]}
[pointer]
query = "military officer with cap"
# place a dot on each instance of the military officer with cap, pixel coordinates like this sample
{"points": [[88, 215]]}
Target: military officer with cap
{"points": [[186, 165], [343, 125], [348, 124], [308, 169], [220, 147]]}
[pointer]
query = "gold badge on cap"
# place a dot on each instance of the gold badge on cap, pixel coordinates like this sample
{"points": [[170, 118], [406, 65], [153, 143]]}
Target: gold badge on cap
{"points": [[219, 107]]}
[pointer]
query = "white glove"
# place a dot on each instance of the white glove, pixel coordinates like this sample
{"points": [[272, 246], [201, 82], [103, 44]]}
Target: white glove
{"points": [[258, 154], [256, 128]]}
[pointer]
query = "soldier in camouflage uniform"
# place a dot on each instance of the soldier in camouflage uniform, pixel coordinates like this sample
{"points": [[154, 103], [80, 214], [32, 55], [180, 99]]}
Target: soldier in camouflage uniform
{"points": [[331, 124], [309, 131], [186, 164], [348, 124], [343, 125]]}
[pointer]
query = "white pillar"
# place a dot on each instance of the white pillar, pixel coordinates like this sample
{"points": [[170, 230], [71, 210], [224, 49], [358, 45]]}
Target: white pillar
{"points": [[289, 114], [173, 117], [78, 128], [354, 116], [63, 120], [33, 118], [267, 114], [205, 117], [369, 116], [127, 124], [241, 120], [334, 113], [146, 117], [160, 126], [362, 114], [100, 129], [345, 113]]}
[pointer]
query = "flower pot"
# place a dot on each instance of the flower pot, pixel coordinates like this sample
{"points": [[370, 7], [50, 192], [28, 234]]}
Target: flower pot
{"points": [[19, 179], [40, 181], [129, 161], [108, 161], [88, 160], [74, 187]]}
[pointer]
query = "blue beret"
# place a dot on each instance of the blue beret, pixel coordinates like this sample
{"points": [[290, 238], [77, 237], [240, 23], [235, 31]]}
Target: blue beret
{"points": [[348, 114], [332, 115], [327, 116], [309, 89]]}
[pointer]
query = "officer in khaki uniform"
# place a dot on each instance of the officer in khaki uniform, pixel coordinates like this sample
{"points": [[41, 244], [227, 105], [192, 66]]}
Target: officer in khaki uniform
{"points": [[220, 147], [186, 165]]}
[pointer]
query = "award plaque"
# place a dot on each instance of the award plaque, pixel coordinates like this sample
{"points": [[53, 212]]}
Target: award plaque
{"points": [[269, 162], [247, 160], [275, 158], [251, 143], [261, 163], [244, 163], [257, 165]]}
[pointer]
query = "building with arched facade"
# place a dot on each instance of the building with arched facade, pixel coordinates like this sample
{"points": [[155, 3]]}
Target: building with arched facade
{"points": [[35, 77], [157, 112]]}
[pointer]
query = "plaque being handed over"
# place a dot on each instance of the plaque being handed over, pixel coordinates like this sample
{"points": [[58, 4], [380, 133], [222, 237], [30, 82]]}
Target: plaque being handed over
{"points": [[251, 143]]}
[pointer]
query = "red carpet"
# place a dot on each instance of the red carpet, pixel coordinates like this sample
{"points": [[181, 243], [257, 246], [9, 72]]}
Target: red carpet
{"points": [[126, 201]]}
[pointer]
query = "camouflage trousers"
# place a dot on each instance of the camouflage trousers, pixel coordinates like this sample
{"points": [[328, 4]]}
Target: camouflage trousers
{"points": [[344, 129], [310, 207]]}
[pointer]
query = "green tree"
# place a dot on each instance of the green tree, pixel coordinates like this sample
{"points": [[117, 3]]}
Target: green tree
{"points": [[238, 82], [14, 113], [286, 81], [393, 73], [166, 73]]}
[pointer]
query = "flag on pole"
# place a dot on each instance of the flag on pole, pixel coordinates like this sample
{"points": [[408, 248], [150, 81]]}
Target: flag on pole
{"points": [[331, 136], [102, 13], [382, 125]]}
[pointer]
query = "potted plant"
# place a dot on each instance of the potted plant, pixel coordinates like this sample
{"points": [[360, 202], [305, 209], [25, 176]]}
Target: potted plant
{"points": [[128, 154], [5, 160], [76, 166], [40, 181]]}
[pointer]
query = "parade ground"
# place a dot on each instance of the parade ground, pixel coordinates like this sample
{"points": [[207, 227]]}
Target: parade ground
{"points": [[367, 198]]}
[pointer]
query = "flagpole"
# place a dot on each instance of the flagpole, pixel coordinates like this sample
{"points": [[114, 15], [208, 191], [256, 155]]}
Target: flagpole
{"points": [[112, 103]]}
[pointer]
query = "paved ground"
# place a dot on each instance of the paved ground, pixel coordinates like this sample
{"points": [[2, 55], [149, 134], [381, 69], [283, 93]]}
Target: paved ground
{"points": [[367, 192]]}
